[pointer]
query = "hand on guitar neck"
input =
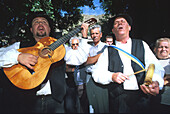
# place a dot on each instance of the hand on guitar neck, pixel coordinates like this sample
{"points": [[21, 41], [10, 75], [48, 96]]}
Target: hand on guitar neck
{"points": [[84, 31], [28, 60]]}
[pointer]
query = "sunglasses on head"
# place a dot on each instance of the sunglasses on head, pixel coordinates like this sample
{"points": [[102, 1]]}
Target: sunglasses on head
{"points": [[75, 44]]}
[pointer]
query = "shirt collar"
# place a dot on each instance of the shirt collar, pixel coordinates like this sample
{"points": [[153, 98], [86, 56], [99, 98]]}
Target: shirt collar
{"points": [[119, 43], [97, 44]]}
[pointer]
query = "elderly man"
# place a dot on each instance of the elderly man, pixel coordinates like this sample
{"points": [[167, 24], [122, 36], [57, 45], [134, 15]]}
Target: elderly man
{"points": [[127, 93], [76, 77], [97, 93]]}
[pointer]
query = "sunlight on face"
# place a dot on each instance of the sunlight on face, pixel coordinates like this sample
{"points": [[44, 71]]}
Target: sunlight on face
{"points": [[120, 26], [96, 35], [75, 44], [163, 50]]}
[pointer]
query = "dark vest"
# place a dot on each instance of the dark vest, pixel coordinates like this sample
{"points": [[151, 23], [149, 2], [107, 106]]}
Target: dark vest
{"points": [[116, 65], [56, 75]]}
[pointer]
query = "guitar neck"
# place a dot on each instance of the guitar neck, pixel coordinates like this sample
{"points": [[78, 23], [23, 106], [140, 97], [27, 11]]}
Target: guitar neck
{"points": [[63, 39]]}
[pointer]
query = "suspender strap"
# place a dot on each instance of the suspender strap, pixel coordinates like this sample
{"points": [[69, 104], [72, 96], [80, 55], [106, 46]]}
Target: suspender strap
{"points": [[129, 56]]}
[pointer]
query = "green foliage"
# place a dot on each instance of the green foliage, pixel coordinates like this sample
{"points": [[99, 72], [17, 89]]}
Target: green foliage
{"points": [[14, 14], [111, 7]]}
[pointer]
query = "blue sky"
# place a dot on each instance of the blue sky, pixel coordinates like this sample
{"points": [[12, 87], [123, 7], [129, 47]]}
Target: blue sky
{"points": [[89, 11]]}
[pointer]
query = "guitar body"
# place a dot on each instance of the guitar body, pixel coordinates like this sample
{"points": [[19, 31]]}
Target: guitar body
{"points": [[22, 78]]}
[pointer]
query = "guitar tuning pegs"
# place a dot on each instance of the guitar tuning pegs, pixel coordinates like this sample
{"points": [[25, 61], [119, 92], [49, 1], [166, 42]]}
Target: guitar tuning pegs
{"points": [[91, 21]]}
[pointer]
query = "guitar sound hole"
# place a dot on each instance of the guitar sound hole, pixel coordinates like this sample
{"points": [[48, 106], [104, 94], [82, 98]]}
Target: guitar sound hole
{"points": [[45, 52]]}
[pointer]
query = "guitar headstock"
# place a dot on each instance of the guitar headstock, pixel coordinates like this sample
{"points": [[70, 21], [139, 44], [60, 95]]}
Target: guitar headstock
{"points": [[91, 21]]}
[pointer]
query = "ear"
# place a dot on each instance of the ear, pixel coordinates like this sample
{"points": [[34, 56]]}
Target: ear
{"points": [[31, 29], [101, 34], [113, 30], [154, 50], [49, 29], [129, 28]]}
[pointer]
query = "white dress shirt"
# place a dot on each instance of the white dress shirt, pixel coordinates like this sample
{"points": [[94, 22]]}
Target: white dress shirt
{"points": [[94, 50], [102, 75]]}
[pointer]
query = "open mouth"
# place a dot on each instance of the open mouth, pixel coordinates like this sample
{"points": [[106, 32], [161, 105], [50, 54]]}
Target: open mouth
{"points": [[40, 28], [120, 28]]}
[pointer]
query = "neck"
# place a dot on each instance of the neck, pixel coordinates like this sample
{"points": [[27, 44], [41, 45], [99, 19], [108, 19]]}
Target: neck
{"points": [[163, 58], [123, 40], [39, 38], [96, 43]]}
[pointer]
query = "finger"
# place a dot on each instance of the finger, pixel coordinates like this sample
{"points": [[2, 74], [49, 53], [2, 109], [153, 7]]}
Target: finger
{"points": [[127, 77], [121, 80], [32, 63], [30, 67], [34, 57], [153, 93], [154, 90], [154, 85], [144, 89]]}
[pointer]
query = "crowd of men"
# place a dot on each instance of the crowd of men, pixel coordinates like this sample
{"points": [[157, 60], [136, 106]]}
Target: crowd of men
{"points": [[101, 77]]}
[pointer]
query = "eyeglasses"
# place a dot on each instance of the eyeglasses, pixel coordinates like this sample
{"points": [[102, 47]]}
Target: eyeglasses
{"points": [[75, 44]]}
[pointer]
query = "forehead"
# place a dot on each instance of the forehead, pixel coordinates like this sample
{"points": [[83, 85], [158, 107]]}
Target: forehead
{"points": [[109, 38], [75, 40], [119, 19], [95, 30], [39, 18], [164, 43]]}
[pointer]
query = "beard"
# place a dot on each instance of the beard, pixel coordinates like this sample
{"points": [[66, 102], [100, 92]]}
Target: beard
{"points": [[41, 34]]}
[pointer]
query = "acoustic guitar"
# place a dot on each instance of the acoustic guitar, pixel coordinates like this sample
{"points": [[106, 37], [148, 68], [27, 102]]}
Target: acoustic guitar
{"points": [[49, 50]]}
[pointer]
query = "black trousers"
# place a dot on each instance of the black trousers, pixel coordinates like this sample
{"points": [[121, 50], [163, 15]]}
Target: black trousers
{"points": [[129, 102], [72, 103], [32, 104], [84, 102]]}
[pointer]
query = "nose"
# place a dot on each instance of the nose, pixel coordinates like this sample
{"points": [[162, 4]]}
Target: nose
{"points": [[94, 35], [40, 22], [164, 48], [120, 23]]}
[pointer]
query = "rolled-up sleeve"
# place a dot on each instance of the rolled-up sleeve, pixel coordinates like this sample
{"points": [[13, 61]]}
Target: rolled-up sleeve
{"points": [[100, 71], [9, 55]]}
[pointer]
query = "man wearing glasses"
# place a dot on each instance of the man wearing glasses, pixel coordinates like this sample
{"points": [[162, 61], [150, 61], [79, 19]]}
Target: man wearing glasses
{"points": [[76, 97]]}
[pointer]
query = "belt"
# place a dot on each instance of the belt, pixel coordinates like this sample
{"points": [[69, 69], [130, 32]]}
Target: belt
{"points": [[42, 96], [89, 73]]}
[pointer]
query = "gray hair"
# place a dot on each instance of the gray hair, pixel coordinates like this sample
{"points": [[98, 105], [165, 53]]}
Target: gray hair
{"points": [[96, 26], [70, 41], [160, 40]]}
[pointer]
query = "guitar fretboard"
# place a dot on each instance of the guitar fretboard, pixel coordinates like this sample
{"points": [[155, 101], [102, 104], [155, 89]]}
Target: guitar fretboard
{"points": [[63, 39]]}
